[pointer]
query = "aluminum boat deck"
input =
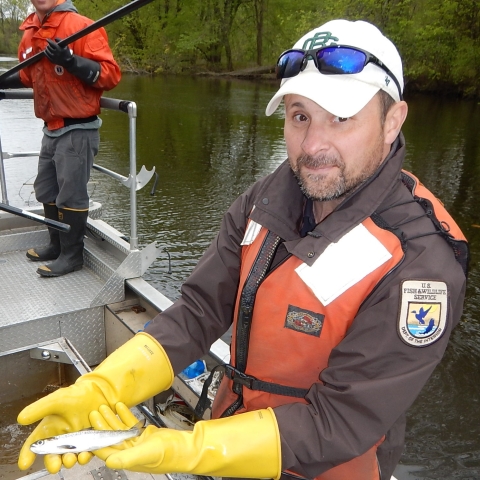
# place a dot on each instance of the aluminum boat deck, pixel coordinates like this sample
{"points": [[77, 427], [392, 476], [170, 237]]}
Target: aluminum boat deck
{"points": [[38, 309]]}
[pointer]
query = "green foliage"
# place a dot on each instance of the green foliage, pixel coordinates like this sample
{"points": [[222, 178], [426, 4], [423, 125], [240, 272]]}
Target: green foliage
{"points": [[438, 41], [12, 13]]}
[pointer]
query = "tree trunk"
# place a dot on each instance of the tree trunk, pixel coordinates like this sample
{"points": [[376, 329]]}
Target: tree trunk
{"points": [[260, 7]]}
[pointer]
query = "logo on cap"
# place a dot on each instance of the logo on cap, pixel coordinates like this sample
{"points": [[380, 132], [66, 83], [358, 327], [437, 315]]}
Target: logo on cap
{"points": [[320, 39]]}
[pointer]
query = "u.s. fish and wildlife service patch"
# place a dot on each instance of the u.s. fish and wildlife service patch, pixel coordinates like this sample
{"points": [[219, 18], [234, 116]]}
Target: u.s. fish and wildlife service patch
{"points": [[423, 312]]}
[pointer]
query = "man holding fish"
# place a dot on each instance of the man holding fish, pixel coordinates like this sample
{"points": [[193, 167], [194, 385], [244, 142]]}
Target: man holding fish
{"points": [[316, 267]]}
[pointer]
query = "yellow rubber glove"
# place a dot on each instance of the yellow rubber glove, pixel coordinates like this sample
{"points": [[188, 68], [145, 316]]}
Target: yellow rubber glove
{"points": [[135, 372], [245, 445]]}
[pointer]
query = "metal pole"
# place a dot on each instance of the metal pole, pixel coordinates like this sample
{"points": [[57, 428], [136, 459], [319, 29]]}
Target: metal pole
{"points": [[132, 115], [3, 182], [63, 227]]}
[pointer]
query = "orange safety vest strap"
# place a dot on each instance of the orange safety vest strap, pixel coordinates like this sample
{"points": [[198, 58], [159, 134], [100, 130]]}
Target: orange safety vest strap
{"points": [[254, 384], [248, 381]]}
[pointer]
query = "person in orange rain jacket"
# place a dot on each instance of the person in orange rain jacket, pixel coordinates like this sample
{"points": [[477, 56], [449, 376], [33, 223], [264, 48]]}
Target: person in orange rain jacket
{"points": [[67, 86], [319, 269]]}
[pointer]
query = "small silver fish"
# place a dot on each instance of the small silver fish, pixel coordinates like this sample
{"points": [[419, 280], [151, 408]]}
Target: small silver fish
{"points": [[84, 440]]}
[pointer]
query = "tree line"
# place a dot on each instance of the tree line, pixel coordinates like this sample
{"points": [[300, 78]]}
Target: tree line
{"points": [[439, 41]]}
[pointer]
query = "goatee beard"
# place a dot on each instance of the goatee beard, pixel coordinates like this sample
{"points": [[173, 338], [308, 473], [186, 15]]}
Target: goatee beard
{"points": [[317, 187], [338, 185]]}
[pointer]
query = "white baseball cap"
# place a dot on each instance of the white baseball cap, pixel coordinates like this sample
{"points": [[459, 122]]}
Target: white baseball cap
{"points": [[344, 95]]}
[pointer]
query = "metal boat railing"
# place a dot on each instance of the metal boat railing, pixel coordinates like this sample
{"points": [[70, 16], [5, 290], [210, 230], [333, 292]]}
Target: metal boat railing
{"points": [[134, 181]]}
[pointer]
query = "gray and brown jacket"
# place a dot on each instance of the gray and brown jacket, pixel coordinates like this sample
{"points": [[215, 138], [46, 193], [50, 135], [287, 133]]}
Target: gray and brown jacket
{"points": [[376, 371]]}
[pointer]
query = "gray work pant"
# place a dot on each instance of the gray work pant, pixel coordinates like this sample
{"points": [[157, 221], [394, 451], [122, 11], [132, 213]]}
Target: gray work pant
{"points": [[64, 167]]}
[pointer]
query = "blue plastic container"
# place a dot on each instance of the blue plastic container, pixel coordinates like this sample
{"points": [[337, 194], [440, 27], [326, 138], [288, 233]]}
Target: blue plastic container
{"points": [[195, 369]]}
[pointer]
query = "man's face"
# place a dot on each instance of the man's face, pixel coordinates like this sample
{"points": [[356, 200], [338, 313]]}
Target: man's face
{"points": [[42, 7], [331, 156]]}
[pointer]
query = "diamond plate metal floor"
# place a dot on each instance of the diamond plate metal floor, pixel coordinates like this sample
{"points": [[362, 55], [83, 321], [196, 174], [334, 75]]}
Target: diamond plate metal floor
{"points": [[31, 296], [37, 309]]}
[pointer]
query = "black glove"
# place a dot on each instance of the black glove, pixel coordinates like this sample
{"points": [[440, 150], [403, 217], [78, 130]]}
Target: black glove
{"points": [[83, 68], [59, 55], [12, 81]]}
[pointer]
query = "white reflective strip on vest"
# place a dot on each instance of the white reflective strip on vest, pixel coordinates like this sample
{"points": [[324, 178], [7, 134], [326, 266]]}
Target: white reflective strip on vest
{"points": [[343, 264], [253, 229]]}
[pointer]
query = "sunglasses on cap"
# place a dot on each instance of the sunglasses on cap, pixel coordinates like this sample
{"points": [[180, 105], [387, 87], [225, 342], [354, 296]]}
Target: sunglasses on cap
{"points": [[331, 60]]}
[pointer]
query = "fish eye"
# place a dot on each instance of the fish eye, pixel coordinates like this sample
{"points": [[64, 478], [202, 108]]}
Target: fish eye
{"points": [[40, 442]]}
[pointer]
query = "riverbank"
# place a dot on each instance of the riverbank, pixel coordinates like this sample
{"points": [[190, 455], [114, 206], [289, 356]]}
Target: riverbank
{"points": [[255, 73], [267, 73]]}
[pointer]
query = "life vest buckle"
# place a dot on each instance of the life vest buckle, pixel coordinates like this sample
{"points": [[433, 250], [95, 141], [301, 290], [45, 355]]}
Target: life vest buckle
{"points": [[239, 377]]}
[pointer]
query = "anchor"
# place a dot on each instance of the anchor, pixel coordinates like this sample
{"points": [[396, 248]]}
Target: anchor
{"points": [[142, 177]]}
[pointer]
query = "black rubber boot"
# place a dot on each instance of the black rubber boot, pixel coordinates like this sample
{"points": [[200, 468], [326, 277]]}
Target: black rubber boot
{"points": [[71, 244], [52, 250]]}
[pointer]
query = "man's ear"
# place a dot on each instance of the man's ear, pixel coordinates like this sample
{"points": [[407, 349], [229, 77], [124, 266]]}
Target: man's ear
{"points": [[394, 121]]}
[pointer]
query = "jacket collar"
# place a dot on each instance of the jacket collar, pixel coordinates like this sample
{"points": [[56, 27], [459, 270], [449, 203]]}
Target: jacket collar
{"points": [[284, 218], [32, 21]]}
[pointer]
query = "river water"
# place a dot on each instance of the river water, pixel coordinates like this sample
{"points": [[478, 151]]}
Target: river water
{"points": [[209, 139]]}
